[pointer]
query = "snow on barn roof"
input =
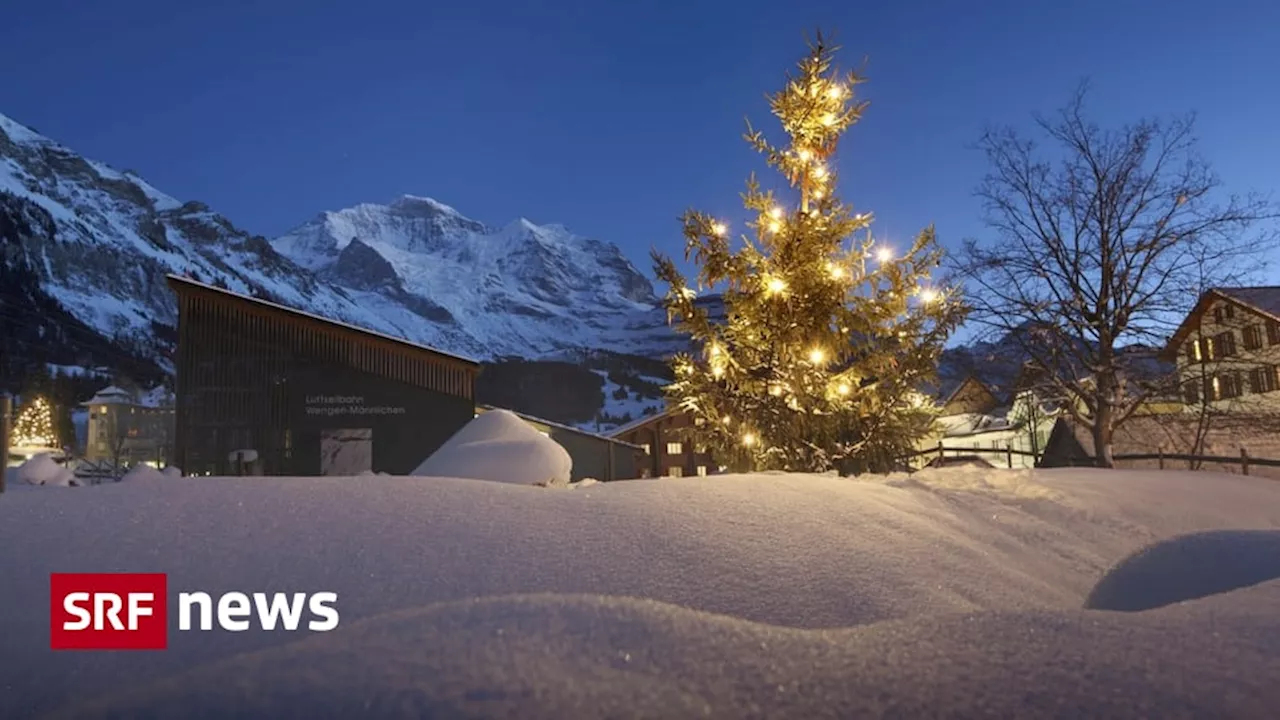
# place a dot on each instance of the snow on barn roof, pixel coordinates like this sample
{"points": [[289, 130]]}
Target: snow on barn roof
{"points": [[640, 422], [111, 395], [181, 280], [156, 397]]}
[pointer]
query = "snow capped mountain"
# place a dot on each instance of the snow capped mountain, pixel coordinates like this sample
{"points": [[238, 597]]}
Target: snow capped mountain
{"points": [[100, 241], [521, 289]]}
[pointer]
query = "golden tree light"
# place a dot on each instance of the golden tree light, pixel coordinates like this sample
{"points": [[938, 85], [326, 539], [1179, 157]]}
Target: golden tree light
{"points": [[836, 91], [775, 286], [717, 371], [829, 119], [927, 295], [775, 226], [843, 389], [805, 155], [34, 425], [884, 254], [820, 171], [748, 439], [719, 229], [817, 194], [817, 355], [835, 271], [776, 213]]}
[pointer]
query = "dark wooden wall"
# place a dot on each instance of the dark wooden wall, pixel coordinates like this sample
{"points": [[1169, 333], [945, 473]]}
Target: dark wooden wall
{"points": [[244, 369]]}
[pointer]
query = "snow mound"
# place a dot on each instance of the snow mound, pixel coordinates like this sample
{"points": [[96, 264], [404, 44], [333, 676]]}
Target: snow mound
{"points": [[498, 446], [971, 478], [1189, 567], [42, 469], [142, 472], [735, 596], [172, 471], [576, 656]]}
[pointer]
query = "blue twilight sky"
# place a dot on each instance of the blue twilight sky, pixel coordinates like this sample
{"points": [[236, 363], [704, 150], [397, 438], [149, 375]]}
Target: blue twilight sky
{"points": [[610, 117]]}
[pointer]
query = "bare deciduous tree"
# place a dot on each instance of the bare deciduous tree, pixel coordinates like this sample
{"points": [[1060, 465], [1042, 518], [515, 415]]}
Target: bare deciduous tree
{"points": [[1100, 241]]}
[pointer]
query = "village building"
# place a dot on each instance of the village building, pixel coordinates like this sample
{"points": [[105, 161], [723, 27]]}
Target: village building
{"points": [[267, 389], [1227, 351], [664, 449], [130, 427]]}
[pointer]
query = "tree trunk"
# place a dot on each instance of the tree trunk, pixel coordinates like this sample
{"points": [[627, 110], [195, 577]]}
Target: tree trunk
{"points": [[1102, 453]]}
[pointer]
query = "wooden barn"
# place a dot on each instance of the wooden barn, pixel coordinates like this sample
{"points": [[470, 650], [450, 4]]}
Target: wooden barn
{"points": [[266, 389]]}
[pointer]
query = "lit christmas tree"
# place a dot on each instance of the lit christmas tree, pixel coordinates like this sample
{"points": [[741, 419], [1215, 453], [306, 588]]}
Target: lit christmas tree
{"points": [[34, 425], [828, 333]]}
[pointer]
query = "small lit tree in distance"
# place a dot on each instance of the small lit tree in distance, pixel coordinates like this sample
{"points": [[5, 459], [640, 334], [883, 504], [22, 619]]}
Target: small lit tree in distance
{"points": [[34, 425], [828, 333]]}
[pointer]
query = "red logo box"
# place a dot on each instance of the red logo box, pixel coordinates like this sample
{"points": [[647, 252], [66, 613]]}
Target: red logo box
{"points": [[108, 611]]}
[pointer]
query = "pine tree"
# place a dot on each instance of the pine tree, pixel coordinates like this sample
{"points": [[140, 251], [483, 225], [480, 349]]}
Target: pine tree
{"points": [[34, 425], [828, 333]]}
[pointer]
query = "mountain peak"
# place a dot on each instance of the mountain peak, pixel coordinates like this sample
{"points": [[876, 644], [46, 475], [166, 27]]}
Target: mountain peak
{"points": [[21, 134], [422, 204]]}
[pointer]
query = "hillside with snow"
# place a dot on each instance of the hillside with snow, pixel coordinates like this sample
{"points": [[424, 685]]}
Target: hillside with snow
{"points": [[521, 289], [100, 241]]}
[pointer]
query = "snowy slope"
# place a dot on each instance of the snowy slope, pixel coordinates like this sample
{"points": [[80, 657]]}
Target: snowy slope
{"points": [[102, 241], [946, 594], [521, 289]]}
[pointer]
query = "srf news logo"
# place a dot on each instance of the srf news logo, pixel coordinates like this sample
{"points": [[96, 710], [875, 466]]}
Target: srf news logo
{"points": [[130, 611]]}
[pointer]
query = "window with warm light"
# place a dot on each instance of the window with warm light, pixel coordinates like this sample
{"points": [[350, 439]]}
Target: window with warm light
{"points": [[674, 448], [702, 470], [675, 471]]}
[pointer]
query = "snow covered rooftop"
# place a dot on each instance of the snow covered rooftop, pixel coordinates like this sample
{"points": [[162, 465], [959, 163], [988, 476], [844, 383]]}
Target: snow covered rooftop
{"points": [[111, 395], [157, 397], [963, 593], [640, 422]]}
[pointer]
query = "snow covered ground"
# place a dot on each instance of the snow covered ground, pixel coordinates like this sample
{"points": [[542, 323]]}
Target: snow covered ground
{"points": [[955, 593]]}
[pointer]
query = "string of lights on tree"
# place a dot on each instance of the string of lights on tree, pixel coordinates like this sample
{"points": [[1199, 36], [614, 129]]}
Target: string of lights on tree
{"points": [[828, 333], [34, 425]]}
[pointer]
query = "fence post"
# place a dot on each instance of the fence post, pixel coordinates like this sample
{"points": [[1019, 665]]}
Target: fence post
{"points": [[1160, 456], [1008, 454], [1244, 461], [6, 409], [939, 453]]}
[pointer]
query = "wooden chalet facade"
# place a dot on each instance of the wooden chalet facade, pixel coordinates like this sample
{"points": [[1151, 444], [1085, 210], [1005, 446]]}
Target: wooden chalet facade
{"points": [[307, 395], [664, 450]]}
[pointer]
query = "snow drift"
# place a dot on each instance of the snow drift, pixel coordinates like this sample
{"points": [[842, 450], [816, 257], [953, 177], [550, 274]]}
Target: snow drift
{"points": [[42, 469], [500, 447], [731, 596]]}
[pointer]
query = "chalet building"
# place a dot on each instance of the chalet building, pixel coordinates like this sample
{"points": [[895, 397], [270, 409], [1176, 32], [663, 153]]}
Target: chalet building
{"points": [[129, 427], [1228, 350], [265, 389], [663, 450], [985, 424], [594, 456]]}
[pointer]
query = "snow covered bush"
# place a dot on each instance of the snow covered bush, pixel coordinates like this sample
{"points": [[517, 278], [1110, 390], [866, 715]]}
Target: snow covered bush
{"points": [[499, 446], [42, 469]]}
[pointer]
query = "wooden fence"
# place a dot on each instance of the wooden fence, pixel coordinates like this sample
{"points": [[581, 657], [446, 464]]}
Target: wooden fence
{"points": [[1243, 460]]}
